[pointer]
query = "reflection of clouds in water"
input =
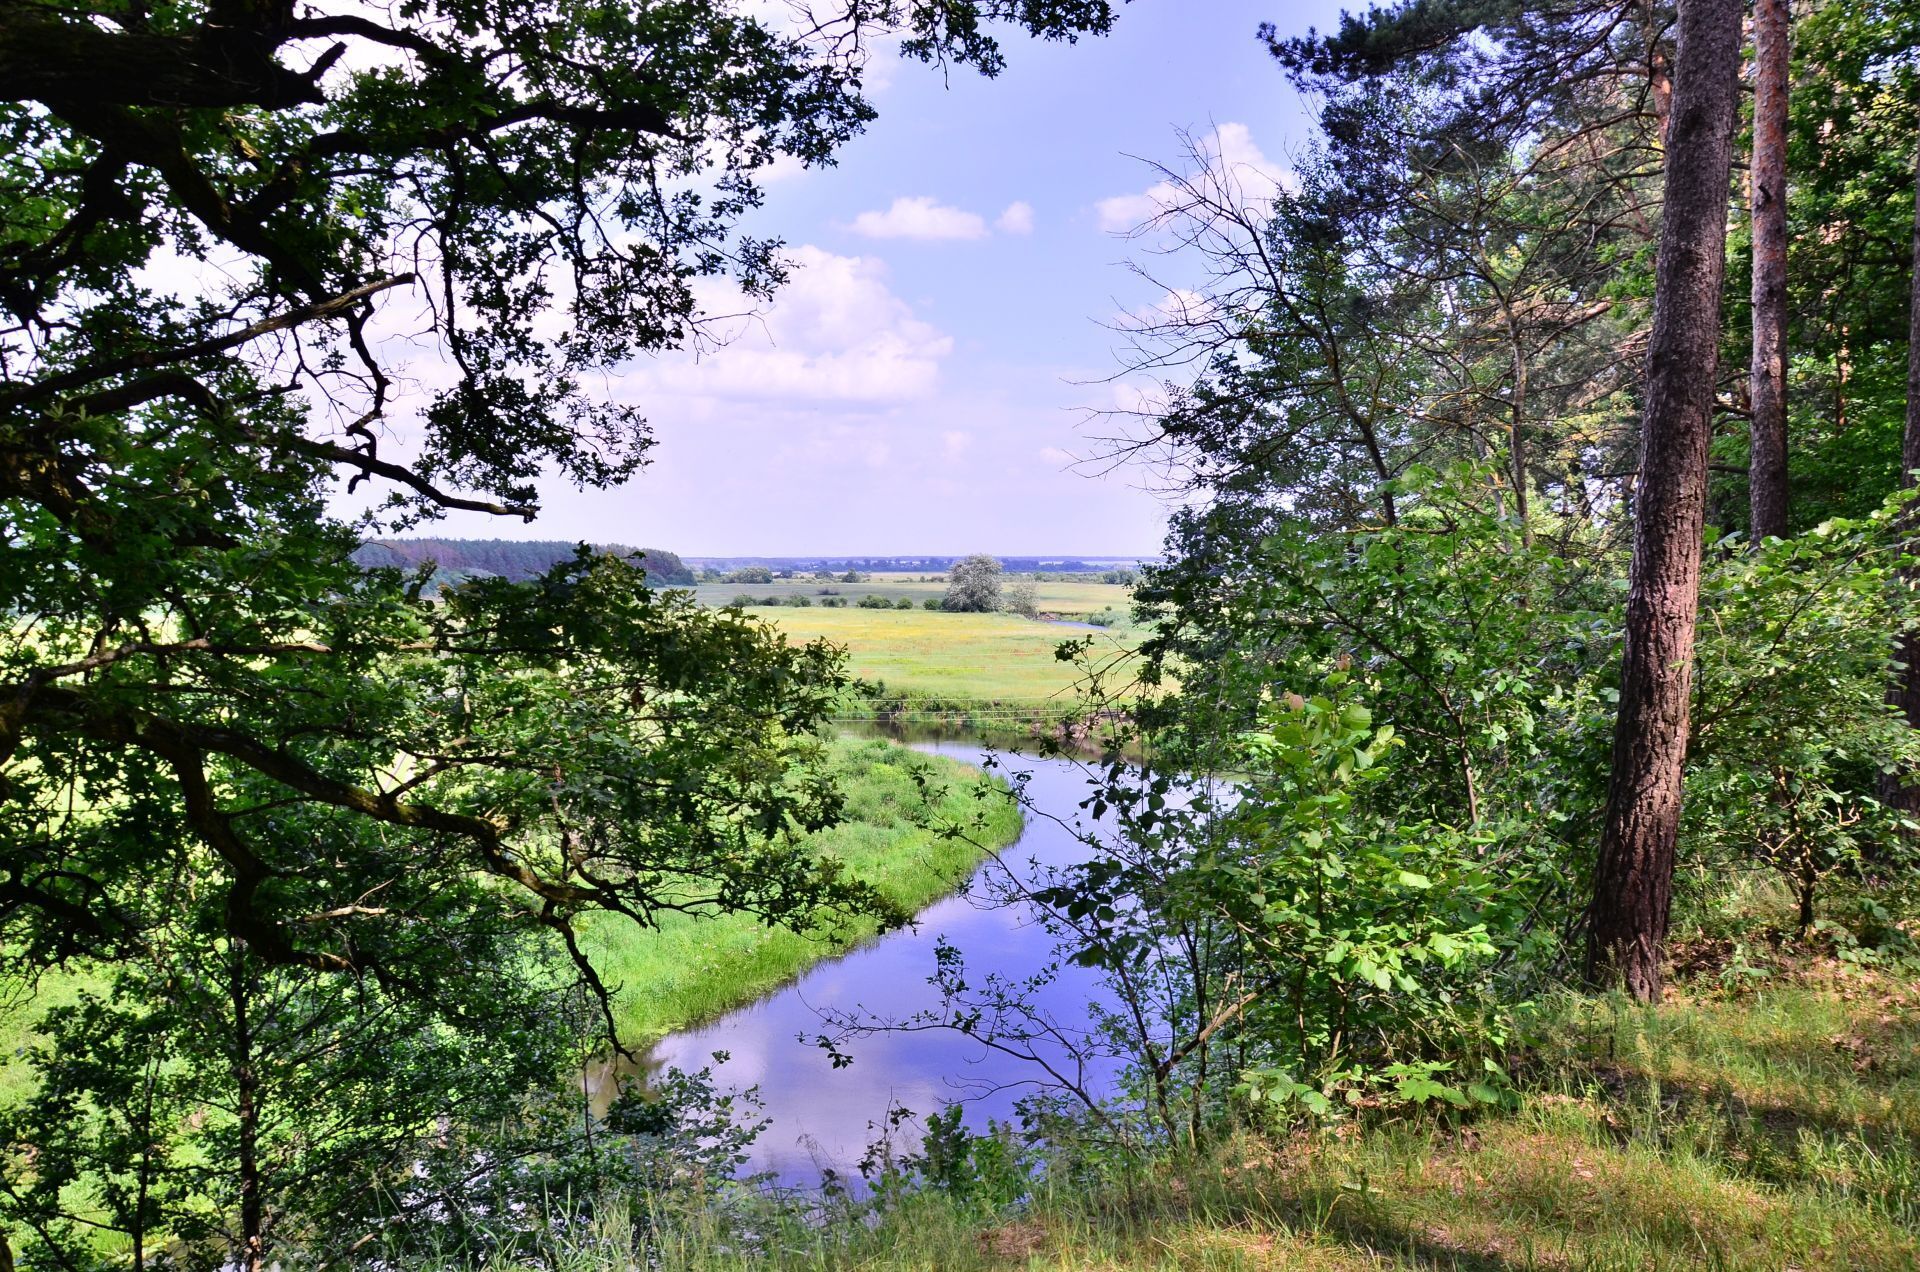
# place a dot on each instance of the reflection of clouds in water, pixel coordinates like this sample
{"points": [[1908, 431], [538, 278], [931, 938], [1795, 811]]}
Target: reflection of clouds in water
{"points": [[826, 1117]]}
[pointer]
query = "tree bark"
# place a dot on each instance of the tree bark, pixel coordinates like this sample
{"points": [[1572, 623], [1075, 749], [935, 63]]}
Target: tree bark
{"points": [[1767, 463], [1900, 790], [253, 1252], [1633, 886]]}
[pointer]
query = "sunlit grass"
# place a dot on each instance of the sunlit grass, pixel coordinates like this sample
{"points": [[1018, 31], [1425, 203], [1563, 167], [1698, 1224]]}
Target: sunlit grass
{"points": [[1797, 1153]]}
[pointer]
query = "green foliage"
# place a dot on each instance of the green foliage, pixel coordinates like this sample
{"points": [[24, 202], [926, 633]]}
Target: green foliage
{"points": [[1486, 648], [1283, 940], [1792, 735]]}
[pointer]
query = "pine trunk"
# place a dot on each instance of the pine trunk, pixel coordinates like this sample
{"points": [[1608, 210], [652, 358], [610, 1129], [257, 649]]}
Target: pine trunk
{"points": [[1767, 463], [1633, 886]]}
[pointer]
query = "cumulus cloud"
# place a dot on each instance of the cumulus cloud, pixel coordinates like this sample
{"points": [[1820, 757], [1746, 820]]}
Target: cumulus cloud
{"points": [[920, 217], [835, 335], [1230, 150], [1017, 219]]}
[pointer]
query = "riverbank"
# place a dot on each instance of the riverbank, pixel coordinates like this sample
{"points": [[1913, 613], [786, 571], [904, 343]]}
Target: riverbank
{"points": [[1747, 1123], [689, 971]]}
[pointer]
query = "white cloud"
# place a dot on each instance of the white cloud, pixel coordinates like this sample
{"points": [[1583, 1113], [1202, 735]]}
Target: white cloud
{"points": [[1057, 457], [1017, 219], [1123, 212], [919, 217], [1230, 150], [954, 443], [835, 334]]}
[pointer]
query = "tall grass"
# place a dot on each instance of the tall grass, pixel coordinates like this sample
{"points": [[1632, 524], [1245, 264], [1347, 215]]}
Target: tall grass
{"points": [[690, 970], [1768, 1129]]}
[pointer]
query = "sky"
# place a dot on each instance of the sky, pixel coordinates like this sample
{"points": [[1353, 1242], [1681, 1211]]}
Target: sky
{"points": [[929, 379]]}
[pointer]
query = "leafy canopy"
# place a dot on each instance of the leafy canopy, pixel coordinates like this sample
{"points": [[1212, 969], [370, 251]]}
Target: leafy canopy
{"points": [[234, 763]]}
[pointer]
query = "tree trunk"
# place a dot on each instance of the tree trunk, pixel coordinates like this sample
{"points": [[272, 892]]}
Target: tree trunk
{"points": [[1767, 465], [247, 1114], [1900, 790], [1627, 925]]}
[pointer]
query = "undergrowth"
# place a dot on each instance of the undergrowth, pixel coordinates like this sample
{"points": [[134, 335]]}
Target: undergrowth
{"points": [[1750, 1122]]}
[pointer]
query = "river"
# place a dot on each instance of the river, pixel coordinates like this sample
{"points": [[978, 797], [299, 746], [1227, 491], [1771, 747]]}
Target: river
{"points": [[823, 1118]]}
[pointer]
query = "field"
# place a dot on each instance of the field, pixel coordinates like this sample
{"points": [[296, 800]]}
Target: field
{"points": [[997, 658], [1064, 599]]}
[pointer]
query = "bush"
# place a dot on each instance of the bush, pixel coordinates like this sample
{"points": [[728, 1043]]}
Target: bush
{"points": [[932, 603], [1020, 599], [875, 602], [835, 602], [903, 603], [800, 602]]}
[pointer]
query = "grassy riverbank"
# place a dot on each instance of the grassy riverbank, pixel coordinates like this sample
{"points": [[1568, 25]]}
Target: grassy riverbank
{"points": [[1768, 1126], [691, 970]]}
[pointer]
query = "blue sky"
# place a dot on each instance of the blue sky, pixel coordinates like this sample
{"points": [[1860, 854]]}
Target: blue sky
{"points": [[922, 383]]}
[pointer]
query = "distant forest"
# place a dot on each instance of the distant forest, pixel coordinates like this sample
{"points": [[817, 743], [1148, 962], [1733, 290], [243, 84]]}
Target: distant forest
{"points": [[514, 559]]}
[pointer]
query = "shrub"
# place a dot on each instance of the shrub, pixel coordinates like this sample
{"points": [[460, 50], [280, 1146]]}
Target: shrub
{"points": [[903, 603], [1020, 599]]}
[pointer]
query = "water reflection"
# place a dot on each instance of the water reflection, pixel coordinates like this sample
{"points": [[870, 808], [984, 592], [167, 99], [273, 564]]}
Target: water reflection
{"points": [[824, 1117]]}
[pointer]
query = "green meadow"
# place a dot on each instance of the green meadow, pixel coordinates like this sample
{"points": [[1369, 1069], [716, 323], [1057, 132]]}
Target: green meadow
{"points": [[996, 658]]}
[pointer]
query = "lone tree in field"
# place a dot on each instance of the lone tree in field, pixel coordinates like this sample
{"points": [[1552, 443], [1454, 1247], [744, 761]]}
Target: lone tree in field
{"points": [[1633, 887], [234, 766], [973, 585]]}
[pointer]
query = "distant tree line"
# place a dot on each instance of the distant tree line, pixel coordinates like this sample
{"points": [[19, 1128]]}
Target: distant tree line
{"points": [[515, 560]]}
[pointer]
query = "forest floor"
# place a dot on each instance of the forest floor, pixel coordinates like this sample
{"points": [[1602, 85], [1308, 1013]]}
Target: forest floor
{"points": [[1761, 1118]]}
